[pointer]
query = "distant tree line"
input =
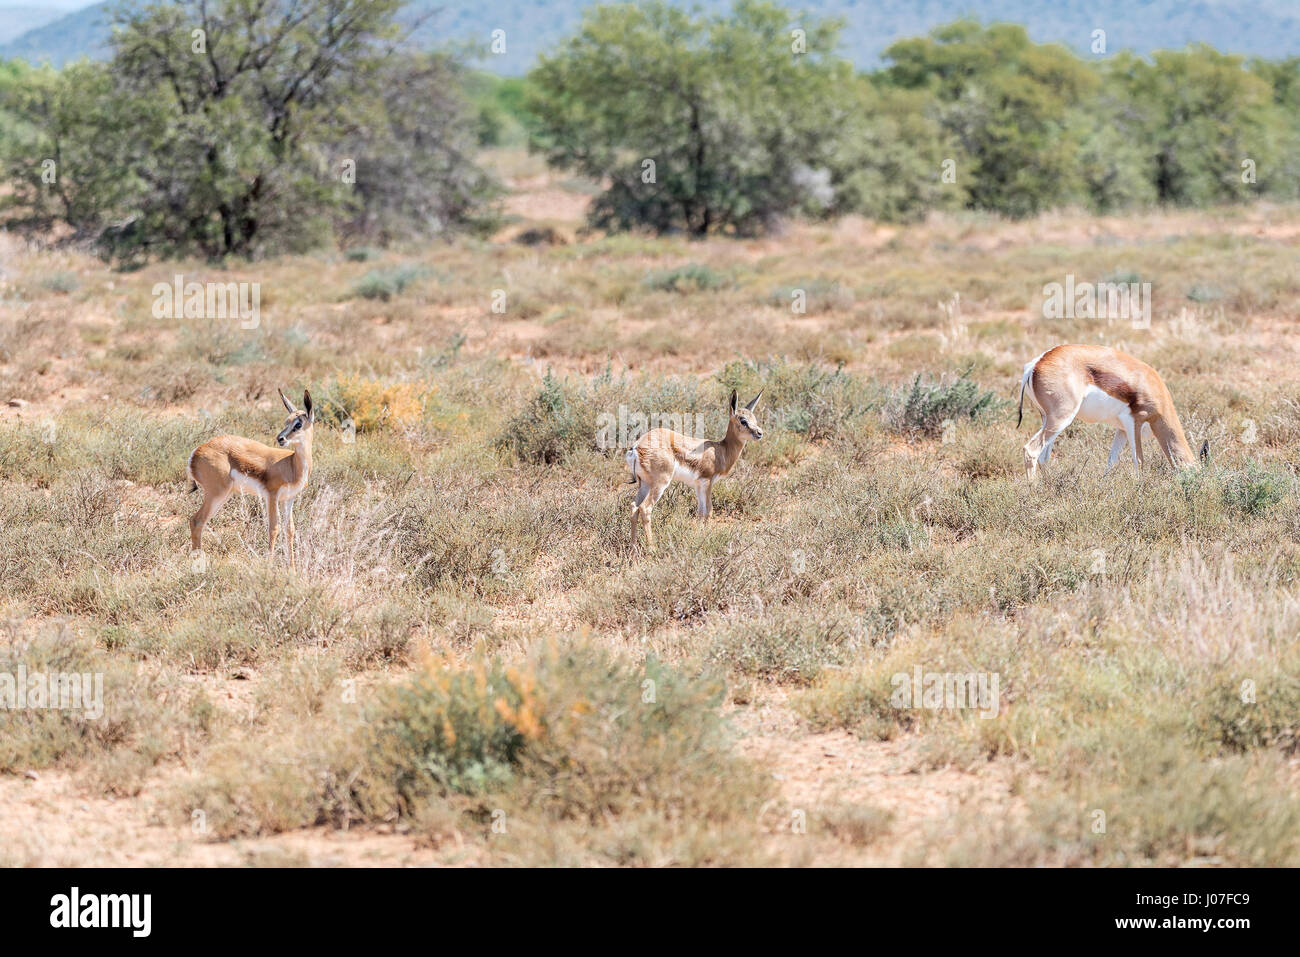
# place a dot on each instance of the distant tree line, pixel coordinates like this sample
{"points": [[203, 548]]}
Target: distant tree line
{"points": [[228, 127], [751, 116]]}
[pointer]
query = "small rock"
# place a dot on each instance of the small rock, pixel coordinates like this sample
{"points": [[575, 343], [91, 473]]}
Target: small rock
{"points": [[16, 403], [31, 775]]}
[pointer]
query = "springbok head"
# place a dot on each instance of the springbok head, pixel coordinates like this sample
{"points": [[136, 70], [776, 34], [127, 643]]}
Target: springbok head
{"points": [[745, 417], [298, 426]]}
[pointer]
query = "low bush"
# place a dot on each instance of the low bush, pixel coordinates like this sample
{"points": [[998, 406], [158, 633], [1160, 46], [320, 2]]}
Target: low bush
{"points": [[386, 283], [924, 407]]}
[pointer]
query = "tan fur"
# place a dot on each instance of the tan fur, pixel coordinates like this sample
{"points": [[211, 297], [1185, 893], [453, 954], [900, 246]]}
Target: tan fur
{"points": [[1059, 382], [229, 463], [661, 455]]}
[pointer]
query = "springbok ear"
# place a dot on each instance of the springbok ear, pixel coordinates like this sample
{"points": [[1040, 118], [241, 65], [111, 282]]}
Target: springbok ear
{"points": [[1205, 451], [306, 404], [754, 401], [287, 404], [733, 401]]}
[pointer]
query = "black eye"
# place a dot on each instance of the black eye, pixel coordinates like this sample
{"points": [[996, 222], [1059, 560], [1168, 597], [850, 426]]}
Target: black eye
{"points": [[297, 425]]}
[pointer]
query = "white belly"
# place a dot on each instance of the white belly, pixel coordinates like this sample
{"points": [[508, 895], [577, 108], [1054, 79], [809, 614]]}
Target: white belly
{"points": [[683, 474], [247, 485], [1097, 406]]}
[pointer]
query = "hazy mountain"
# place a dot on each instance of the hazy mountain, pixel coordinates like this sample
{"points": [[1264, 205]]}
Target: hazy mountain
{"points": [[1262, 27], [17, 19], [80, 33]]}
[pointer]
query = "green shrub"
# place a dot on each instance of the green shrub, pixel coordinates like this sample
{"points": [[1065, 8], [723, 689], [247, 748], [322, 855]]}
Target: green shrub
{"points": [[556, 422], [455, 730], [925, 406], [692, 277], [589, 734], [572, 730], [793, 644], [1254, 490], [860, 700], [1203, 293], [63, 282], [820, 295], [1241, 717], [384, 284]]}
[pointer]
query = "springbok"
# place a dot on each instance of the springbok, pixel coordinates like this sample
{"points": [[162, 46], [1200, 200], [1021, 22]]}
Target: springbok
{"points": [[662, 455], [1101, 384], [228, 463]]}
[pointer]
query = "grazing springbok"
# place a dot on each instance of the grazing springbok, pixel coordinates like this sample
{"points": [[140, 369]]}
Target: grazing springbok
{"points": [[228, 463], [1101, 384], [662, 455]]}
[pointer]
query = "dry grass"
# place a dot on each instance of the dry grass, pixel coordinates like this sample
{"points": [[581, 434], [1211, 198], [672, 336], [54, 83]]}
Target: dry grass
{"points": [[462, 655]]}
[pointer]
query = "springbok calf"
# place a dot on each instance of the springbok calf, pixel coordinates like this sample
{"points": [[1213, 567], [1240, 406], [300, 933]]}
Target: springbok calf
{"points": [[1101, 384], [228, 463], [662, 455]]}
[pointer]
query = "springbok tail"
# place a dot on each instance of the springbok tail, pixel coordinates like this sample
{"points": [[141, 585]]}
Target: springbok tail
{"points": [[189, 470], [1024, 380], [634, 463]]}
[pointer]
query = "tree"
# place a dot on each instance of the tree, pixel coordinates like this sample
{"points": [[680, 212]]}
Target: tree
{"points": [[415, 154], [253, 90], [1114, 170], [1201, 115], [1280, 177], [242, 127], [1007, 102], [699, 123], [892, 159], [67, 154]]}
